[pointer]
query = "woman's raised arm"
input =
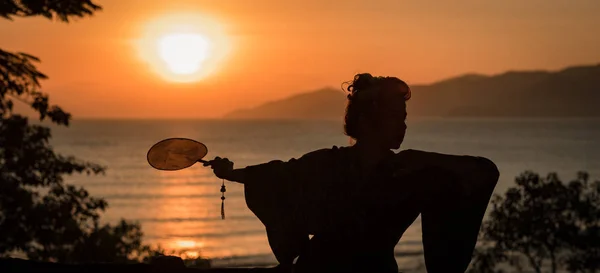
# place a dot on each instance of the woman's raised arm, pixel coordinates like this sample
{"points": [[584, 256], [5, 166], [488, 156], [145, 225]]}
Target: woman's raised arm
{"points": [[477, 173]]}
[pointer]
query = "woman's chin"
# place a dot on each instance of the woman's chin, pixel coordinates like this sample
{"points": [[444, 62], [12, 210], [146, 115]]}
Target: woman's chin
{"points": [[396, 146]]}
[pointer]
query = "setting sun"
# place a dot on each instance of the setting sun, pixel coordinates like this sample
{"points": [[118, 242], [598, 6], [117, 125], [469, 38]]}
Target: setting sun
{"points": [[183, 52], [183, 48]]}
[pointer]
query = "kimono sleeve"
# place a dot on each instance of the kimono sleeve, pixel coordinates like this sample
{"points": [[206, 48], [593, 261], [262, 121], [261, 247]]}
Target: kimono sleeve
{"points": [[274, 193]]}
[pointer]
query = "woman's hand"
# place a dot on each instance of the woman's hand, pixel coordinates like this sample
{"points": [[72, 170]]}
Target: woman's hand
{"points": [[222, 167]]}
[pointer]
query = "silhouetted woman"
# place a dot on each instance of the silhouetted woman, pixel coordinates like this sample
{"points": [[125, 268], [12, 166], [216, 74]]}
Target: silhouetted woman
{"points": [[357, 201]]}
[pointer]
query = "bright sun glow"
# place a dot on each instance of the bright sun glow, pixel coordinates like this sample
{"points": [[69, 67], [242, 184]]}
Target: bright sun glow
{"points": [[183, 52], [183, 47]]}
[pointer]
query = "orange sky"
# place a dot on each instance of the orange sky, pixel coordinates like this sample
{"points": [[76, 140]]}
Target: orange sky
{"points": [[279, 48]]}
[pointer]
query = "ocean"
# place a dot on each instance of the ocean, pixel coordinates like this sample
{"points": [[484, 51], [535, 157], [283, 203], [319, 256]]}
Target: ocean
{"points": [[180, 210]]}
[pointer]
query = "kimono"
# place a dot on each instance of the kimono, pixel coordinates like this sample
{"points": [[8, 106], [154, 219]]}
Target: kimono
{"points": [[356, 222]]}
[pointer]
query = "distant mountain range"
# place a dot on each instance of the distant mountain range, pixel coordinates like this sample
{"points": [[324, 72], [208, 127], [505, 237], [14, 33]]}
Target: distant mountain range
{"points": [[571, 92]]}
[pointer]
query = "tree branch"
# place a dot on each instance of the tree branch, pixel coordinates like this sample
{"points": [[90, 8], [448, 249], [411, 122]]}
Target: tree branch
{"points": [[61, 10]]}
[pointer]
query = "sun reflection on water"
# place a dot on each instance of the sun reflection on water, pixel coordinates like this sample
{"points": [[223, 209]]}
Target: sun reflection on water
{"points": [[191, 254], [181, 208], [188, 223], [184, 244]]}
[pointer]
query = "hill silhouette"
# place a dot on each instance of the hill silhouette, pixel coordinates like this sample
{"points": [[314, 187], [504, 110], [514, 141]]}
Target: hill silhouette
{"points": [[570, 92], [325, 103]]}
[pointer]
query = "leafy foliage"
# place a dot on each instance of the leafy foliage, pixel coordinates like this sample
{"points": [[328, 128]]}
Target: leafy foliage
{"points": [[544, 224], [40, 215], [62, 10]]}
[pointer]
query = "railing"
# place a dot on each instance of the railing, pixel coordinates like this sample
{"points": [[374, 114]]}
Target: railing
{"points": [[163, 264]]}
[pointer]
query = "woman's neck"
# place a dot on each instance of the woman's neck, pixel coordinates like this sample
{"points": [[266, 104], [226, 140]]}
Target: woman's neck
{"points": [[370, 154]]}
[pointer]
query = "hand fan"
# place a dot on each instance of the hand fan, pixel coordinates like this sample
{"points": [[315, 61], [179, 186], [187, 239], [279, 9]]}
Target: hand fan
{"points": [[174, 154]]}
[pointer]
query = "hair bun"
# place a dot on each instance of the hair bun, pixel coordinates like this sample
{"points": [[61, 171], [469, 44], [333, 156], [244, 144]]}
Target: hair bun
{"points": [[361, 81]]}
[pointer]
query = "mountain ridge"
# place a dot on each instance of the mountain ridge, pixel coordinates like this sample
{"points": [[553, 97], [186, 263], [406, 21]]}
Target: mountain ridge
{"points": [[569, 92]]}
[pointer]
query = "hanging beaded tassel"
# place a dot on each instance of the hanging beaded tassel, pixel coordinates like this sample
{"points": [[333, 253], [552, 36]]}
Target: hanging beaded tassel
{"points": [[223, 190]]}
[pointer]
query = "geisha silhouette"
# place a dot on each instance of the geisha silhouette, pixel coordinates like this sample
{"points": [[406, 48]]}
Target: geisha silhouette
{"points": [[357, 201]]}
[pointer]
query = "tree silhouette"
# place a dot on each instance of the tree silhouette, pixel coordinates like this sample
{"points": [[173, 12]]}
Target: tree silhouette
{"points": [[40, 215], [544, 224]]}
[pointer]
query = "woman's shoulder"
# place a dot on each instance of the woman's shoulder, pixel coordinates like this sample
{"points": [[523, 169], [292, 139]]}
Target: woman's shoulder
{"points": [[324, 153], [323, 157]]}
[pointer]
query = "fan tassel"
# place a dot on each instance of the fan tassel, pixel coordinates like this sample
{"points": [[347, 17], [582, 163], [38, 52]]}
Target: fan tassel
{"points": [[223, 190]]}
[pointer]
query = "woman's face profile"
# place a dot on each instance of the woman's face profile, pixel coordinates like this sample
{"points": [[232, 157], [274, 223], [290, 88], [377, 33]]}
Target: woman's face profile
{"points": [[392, 116]]}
